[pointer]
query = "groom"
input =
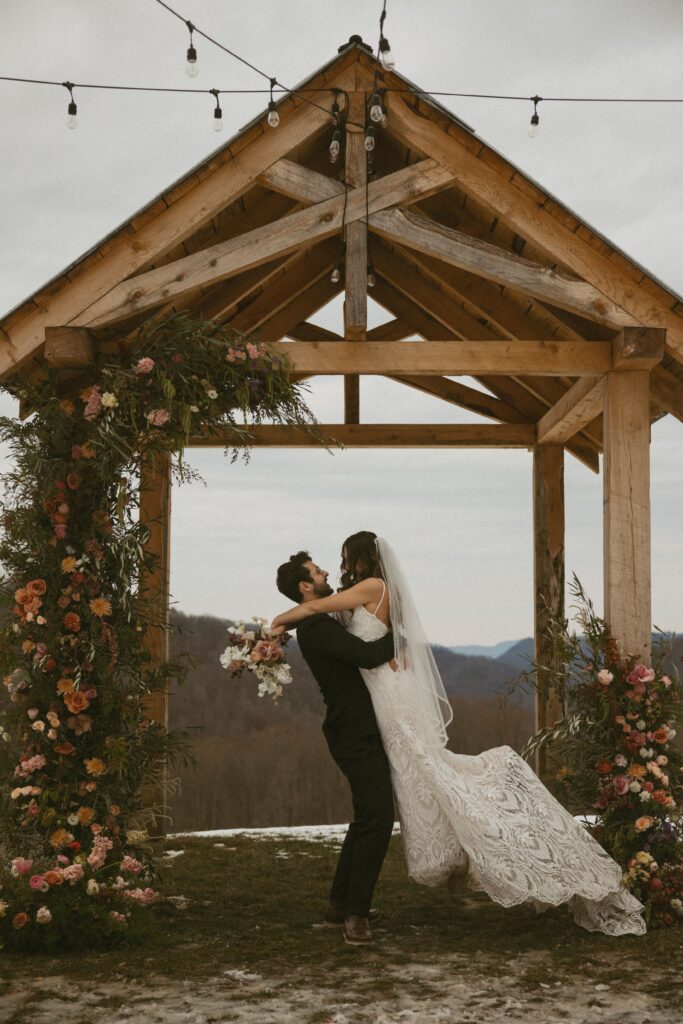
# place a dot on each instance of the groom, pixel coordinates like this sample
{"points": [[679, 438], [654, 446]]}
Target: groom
{"points": [[334, 657]]}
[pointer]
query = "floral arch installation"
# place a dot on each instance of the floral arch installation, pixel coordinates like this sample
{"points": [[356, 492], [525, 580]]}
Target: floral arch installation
{"points": [[195, 314]]}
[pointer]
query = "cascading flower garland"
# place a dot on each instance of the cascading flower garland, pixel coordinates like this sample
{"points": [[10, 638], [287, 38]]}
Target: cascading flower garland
{"points": [[76, 864], [616, 755]]}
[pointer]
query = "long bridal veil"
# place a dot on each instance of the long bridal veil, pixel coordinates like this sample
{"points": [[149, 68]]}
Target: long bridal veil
{"points": [[418, 682]]}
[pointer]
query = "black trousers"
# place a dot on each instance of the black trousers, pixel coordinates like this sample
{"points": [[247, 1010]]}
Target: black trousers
{"points": [[362, 854]]}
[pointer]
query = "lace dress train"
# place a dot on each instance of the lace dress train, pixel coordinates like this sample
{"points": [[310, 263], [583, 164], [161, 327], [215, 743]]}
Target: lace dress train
{"points": [[491, 816]]}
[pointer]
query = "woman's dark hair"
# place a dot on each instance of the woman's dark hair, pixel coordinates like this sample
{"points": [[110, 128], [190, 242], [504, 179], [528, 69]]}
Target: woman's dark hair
{"points": [[291, 574], [362, 558]]}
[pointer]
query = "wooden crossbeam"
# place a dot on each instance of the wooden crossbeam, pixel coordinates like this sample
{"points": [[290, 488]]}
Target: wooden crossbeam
{"points": [[261, 245], [638, 348], [668, 391], [383, 435], [449, 358], [465, 397], [356, 251], [577, 407], [408, 228]]}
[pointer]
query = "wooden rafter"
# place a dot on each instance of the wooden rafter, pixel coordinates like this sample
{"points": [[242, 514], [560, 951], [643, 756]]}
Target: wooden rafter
{"points": [[260, 245], [466, 397], [407, 228], [504, 198], [574, 410]]}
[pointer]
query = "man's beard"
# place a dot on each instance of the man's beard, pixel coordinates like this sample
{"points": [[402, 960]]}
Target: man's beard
{"points": [[322, 589]]}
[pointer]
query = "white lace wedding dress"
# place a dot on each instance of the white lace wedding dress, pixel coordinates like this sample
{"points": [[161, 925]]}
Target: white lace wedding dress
{"points": [[491, 816]]}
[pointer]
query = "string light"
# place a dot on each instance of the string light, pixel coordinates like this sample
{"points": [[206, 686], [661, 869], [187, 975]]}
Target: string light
{"points": [[218, 113], [335, 143], [533, 124], [273, 116], [376, 109], [384, 53], [371, 276], [191, 69], [72, 109], [369, 138]]}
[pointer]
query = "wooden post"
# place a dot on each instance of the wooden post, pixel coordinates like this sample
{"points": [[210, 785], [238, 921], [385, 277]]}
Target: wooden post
{"points": [[626, 520], [548, 584], [155, 512], [356, 264]]}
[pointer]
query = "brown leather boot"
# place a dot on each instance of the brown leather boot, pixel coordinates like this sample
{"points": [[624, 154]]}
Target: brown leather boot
{"points": [[357, 931], [335, 915]]}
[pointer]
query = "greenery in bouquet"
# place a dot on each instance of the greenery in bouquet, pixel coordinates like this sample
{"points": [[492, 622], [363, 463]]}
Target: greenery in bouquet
{"points": [[614, 754], [76, 742]]}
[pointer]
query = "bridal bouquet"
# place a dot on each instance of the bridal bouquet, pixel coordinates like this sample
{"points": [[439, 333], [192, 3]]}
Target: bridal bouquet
{"points": [[252, 647]]}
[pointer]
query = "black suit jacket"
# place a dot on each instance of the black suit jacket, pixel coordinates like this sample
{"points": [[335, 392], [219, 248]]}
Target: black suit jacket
{"points": [[334, 657]]}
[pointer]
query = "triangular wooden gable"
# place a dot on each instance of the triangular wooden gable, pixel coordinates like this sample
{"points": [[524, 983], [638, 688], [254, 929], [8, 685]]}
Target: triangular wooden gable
{"points": [[465, 248]]}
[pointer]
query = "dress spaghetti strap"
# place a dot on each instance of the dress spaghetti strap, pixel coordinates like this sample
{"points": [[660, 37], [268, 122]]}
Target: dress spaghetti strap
{"points": [[384, 590]]}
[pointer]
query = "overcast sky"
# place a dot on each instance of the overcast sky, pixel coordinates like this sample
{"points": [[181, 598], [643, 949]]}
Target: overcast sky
{"points": [[460, 519]]}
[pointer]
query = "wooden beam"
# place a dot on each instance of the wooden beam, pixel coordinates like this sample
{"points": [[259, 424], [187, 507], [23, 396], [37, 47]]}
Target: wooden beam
{"points": [[67, 347], [294, 231], [312, 332], [305, 304], [155, 514], [448, 358], [627, 512], [638, 348], [549, 573], [356, 251], [383, 435], [393, 330], [497, 193], [301, 183], [577, 407], [464, 396], [427, 236]]}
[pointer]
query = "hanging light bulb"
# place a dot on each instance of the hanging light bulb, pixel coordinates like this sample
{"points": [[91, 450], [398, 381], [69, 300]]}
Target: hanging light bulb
{"points": [[371, 276], [335, 276], [191, 69], [273, 116], [369, 139], [72, 109], [534, 123], [385, 55], [376, 111], [335, 146], [217, 113]]}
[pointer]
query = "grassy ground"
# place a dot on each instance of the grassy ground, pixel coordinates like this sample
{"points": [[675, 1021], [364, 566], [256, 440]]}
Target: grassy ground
{"points": [[252, 904]]}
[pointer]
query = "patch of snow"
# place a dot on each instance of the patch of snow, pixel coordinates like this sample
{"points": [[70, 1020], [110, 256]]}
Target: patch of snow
{"points": [[319, 833], [173, 853]]}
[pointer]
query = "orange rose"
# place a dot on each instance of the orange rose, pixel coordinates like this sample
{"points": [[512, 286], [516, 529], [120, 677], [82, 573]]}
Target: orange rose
{"points": [[19, 920], [604, 767], [22, 596], [53, 877], [661, 735], [660, 796], [72, 622], [76, 701], [36, 587], [644, 823]]}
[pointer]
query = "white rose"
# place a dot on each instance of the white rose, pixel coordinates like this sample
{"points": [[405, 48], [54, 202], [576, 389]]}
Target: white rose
{"points": [[38, 725], [73, 819], [662, 759], [672, 733], [92, 887], [620, 760], [635, 786], [645, 796], [641, 724], [109, 400], [43, 915]]}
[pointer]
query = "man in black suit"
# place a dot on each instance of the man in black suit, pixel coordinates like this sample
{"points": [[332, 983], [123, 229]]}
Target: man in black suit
{"points": [[350, 727]]}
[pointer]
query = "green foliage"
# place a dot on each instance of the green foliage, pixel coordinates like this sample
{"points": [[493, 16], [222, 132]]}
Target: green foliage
{"points": [[76, 744], [615, 751]]}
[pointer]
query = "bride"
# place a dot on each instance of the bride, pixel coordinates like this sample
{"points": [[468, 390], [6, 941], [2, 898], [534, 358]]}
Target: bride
{"points": [[488, 815]]}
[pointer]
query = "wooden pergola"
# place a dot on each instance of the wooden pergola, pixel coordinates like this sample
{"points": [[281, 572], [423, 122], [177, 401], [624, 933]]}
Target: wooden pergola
{"points": [[484, 274]]}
